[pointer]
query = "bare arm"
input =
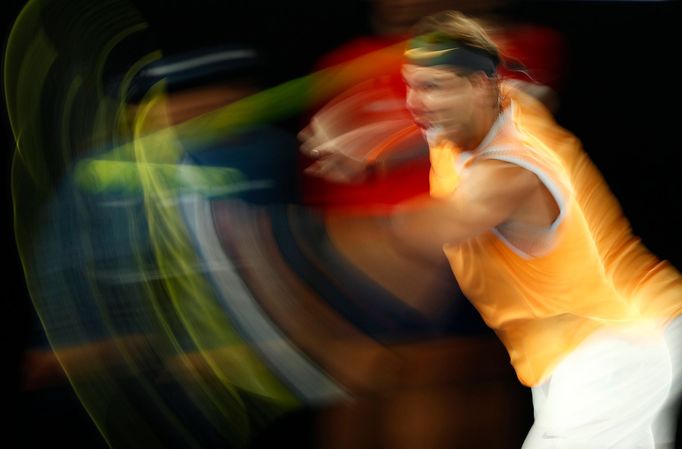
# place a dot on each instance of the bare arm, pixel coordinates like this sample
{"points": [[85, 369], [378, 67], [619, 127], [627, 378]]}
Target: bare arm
{"points": [[489, 195]]}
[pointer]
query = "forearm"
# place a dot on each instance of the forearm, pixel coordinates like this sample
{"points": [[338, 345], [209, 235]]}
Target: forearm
{"points": [[422, 226], [428, 224]]}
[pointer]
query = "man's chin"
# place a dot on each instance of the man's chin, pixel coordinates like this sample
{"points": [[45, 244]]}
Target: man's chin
{"points": [[423, 124]]}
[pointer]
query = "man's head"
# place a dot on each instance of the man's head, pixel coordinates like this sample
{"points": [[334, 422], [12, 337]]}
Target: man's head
{"points": [[450, 72]]}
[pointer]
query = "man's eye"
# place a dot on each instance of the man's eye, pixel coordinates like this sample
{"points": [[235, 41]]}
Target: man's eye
{"points": [[429, 86]]}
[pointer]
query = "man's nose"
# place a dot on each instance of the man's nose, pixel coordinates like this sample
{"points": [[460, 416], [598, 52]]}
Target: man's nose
{"points": [[413, 101]]}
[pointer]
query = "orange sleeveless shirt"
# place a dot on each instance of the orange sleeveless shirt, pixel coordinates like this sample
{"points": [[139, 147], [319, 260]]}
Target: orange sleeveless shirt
{"points": [[543, 296]]}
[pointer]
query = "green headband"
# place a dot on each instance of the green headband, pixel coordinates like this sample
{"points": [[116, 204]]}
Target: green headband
{"points": [[437, 49]]}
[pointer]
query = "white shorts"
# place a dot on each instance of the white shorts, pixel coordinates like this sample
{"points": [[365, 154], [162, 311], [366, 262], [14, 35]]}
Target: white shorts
{"points": [[604, 395], [665, 425]]}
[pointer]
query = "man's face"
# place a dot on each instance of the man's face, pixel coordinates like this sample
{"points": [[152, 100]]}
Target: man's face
{"points": [[440, 98]]}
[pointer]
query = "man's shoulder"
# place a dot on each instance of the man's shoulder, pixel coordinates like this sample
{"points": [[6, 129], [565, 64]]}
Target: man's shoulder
{"points": [[488, 178]]}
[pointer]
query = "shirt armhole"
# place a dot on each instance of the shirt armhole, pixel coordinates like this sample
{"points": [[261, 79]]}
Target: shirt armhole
{"points": [[546, 237]]}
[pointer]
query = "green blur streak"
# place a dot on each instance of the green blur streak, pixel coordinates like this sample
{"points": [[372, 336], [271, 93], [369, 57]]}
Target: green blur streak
{"points": [[191, 295], [31, 56], [98, 176]]}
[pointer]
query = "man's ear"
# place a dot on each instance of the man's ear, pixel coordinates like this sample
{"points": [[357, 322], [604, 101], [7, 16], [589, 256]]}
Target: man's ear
{"points": [[486, 85]]}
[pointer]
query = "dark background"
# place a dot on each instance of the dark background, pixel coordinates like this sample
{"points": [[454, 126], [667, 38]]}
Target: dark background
{"points": [[621, 98]]}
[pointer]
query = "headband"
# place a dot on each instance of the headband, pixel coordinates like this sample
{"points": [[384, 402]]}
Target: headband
{"points": [[437, 49]]}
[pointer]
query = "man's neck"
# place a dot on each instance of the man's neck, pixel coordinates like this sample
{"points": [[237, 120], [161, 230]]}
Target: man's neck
{"points": [[486, 127]]}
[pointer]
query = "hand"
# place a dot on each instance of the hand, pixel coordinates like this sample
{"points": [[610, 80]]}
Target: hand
{"points": [[347, 136], [341, 159]]}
